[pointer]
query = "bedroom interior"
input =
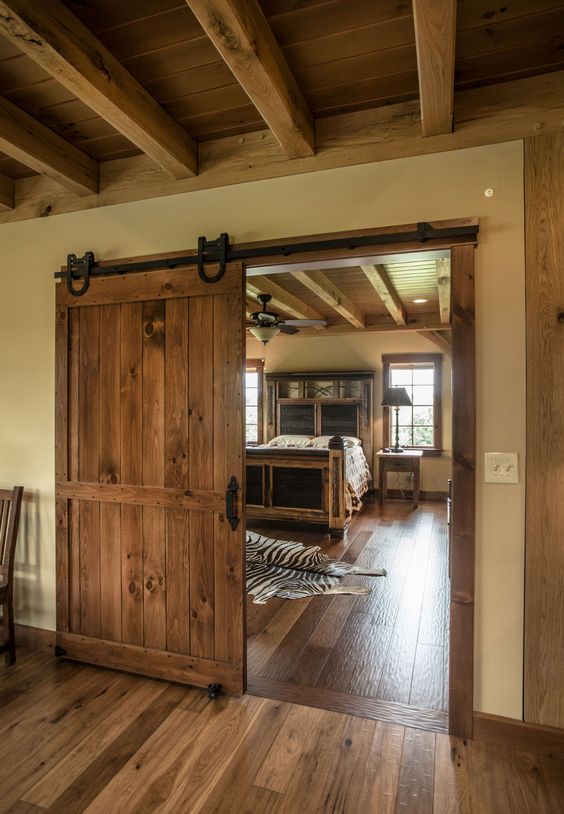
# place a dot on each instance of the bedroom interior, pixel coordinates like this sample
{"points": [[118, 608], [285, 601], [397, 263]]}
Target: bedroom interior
{"points": [[387, 650], [208, 205]]}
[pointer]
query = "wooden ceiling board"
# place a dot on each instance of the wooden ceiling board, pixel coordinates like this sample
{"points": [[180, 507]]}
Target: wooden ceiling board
{"points": [[99, 15], [412, 280], [476, 13], [510, 33], [508, 65], [313, 21], [345, 54]]}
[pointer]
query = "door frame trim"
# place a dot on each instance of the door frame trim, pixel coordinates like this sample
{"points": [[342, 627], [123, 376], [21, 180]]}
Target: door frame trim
{"points": [[461, 641]]}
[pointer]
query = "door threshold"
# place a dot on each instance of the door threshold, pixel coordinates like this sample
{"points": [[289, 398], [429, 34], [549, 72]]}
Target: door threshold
{"points": [[431, 720]]}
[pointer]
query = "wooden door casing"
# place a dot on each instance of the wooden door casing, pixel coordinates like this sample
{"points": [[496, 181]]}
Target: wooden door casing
{"points": [[150, 574]]}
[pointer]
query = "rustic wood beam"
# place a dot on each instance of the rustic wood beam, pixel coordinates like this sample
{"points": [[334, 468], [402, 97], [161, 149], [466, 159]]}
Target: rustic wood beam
{"points": [[242, 35], [384, 287], [325, 289], [488, 115], [57, 41], [7, 193], [282, 299], [441, 340], [422, 324], [435, 34], [31, 143], [443, 284]]}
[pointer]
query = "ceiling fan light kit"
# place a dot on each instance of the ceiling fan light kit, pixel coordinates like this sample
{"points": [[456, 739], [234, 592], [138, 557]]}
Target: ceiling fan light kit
{"points": [[264, 333], [267, 325]]}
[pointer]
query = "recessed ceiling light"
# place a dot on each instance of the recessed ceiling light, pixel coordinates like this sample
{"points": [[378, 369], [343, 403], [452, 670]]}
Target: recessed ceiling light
{"points": [[419, 301]]}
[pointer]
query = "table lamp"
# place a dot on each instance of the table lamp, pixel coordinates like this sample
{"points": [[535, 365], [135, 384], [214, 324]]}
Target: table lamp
{"points": [[396, 397]]}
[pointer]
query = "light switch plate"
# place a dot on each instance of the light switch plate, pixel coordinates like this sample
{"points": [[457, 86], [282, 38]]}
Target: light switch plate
{"points": [[502, 467]]}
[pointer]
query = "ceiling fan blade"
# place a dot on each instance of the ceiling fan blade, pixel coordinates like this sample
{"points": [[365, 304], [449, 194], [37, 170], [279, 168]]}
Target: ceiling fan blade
{"points": [[287, 329], [306, 323]]}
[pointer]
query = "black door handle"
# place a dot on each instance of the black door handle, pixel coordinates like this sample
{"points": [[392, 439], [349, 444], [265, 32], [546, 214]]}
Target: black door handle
{"points": [[230, 502]]}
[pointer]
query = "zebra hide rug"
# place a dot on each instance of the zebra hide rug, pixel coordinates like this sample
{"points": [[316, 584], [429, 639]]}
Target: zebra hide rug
{"points": [[292, 571]]}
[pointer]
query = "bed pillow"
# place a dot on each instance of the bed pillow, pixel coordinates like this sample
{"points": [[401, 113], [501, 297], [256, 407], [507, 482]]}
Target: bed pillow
{"points": [[322, 441], [298, 441]]}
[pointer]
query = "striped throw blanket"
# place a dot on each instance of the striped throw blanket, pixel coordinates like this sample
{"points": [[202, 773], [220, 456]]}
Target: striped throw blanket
{"points": [[291, 570]]}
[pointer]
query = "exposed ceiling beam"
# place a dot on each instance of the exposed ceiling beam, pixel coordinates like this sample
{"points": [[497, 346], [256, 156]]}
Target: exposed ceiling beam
{"points": [[325, 289], [57, 41], [421, 324], [7, 192], [435, 34], [242, 35], [31, 143], [443, 284], [282, 299], [384, 287], [441, 340], [486, 115]]}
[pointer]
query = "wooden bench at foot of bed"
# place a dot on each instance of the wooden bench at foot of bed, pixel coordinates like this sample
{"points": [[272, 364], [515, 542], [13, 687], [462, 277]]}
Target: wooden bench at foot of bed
{"points": [[299, 485]]}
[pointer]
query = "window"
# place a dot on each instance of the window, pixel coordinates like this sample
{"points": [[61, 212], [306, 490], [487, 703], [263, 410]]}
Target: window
{"points": [[420, 426], [253, 401]]}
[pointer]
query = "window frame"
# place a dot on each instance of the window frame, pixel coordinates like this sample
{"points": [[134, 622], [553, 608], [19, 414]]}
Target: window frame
{"points": [[256, 366], [407, 359]]}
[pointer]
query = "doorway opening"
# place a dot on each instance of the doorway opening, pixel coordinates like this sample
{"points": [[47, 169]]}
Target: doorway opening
{"points": [[385, 653]]}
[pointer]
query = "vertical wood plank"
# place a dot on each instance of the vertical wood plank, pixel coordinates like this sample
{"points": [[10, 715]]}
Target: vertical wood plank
{"points": [[110, 449], [544, 552], [132, 574], [74, 431], [416, 776], [461, 662], [154, 528], [61, 468], [177, 475], [201, 471], [131, 471], [89, 461], [230, 617]]}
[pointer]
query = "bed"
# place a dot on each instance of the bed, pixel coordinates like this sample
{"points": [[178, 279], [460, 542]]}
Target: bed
{"points": [[315, 464]]}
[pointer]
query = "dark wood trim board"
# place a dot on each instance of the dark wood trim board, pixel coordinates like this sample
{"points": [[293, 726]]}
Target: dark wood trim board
{"points": [[431, 720], [519, 735]]}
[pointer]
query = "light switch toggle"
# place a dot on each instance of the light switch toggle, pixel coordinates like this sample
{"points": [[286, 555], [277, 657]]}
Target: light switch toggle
{"points": [[502, 467]]}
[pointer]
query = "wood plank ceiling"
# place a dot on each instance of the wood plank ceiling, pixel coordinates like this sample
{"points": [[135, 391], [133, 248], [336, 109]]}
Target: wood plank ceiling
{"points": [[349, 301], [317, 59]]}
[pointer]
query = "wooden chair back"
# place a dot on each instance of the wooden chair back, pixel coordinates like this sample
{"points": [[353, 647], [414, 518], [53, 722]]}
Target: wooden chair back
{"points": [[10, 507]]}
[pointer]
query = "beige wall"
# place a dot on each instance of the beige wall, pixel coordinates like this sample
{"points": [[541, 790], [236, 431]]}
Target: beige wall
{"points": [[430, 187], [364, 352]]}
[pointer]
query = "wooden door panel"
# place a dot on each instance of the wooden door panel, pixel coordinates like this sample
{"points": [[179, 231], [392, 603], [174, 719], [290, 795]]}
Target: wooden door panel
{"points": [[131, 540], [153, 431]]}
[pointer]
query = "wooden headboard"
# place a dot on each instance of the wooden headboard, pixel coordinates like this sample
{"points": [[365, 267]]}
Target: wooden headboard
{"points": [[332, 403]]}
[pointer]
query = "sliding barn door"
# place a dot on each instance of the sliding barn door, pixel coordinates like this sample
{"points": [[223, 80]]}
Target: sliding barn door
{"points": [[150, 562]]}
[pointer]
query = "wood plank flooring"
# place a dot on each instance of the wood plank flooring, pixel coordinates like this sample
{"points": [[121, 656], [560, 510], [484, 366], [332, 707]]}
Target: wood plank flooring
{"points": [[364, 654], [80, 739]]}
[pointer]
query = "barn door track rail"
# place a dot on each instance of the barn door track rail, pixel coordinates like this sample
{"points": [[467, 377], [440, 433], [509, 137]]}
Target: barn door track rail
{"points": [[220, 252]]}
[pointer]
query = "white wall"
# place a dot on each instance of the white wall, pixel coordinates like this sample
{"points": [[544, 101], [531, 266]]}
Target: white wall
{"points": [[447, 185]]}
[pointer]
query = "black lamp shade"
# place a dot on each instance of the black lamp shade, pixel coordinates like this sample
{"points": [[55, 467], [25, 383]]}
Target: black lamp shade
{"points": [[396, 397]]}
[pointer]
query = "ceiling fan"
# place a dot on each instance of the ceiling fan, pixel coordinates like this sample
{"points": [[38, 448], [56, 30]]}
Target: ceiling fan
{"points": [[266, 324]]}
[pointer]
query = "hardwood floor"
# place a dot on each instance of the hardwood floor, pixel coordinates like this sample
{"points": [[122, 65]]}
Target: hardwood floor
{"points": [[364, 654], [80, 739]]}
